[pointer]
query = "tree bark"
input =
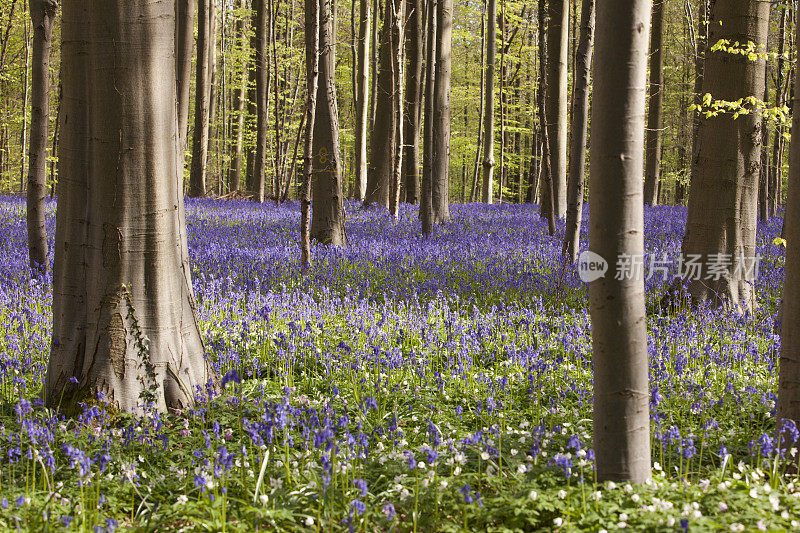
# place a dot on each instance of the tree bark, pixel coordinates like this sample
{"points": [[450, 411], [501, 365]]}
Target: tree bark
{"points": [[382, 145], [789, 377], [124, 320], [616, 230], [426, 189], [42, 13], [413, 101], [777, 147], [197, 175], [557, 53], [440, 153], [656, 103], [327, 224], [362, 99], [724, 190], [184, 45], [240, 96], [478, 152], [398, 6], [312, 21], [547, 209], [488, 106], [580, 122], [262, 102]]}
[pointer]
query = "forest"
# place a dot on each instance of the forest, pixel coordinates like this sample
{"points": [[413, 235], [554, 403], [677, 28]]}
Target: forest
{"points": [[399, 265]]}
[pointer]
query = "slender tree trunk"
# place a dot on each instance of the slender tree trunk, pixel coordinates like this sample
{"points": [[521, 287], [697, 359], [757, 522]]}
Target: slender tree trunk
{"points": [[26, 86], [656, 102], [197, 175], [124, 320], [398, 6], [616, 230], [724, 190], [262, 101], [362, 98], [413, 100], [43, 14], [777, 146], [440, 185], [764, 206], [184, 45], [789, 378], [327, 224], [557, 90], [426, 192], [547, 209], [701, 46], [488, 106], [240, 96], [580, 120], [312, 20], [478, 152], [380, 173], [56, 134], [373, 99]]}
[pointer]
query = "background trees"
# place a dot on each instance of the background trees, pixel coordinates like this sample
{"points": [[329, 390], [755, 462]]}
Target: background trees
{"points": [[517, 142]]}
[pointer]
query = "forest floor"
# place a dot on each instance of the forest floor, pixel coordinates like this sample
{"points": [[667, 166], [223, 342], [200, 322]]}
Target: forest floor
{"points": [[403, 384]]}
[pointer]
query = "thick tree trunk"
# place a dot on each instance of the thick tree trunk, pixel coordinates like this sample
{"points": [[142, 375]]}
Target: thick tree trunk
{"points": [[488, 105], [789, 378], [382, 145], [557, 53], [312, 21], [701, 46], [426, 189], [440, 153], [616, 230], [362, 99], [184, 46], [652, 172], [413, 101], [197, 175], [724, 190], [580, 122], [327, 224], [43, 13], [124, 320]]}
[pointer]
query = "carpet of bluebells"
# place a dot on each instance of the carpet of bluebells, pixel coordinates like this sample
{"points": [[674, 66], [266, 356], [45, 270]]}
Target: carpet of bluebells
{"points": [[402, 384]]}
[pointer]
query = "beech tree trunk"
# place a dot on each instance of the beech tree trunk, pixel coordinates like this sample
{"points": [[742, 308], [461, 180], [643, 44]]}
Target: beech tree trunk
{"points": [[440, 153], [724, 190], [124, 320], [382, 143], [789, 378], [557, 53], [202, 111], [547, 208], [413, 101], [652, 171], [488, 106], [327, 224], [616, 230], [580, 122], [42, 13], [262, 101], [362, 98], [426, 189], [184, 46], [312, 21], [238, 124]]}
